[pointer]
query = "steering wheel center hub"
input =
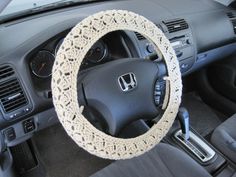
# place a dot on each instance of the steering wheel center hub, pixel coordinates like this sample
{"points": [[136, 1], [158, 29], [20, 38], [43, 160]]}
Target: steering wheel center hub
{"points": [[121, 92]]}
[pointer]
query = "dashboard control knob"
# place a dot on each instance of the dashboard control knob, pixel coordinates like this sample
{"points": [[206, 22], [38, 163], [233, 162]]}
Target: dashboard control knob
{"points": [[188, 41], [150, 48]]}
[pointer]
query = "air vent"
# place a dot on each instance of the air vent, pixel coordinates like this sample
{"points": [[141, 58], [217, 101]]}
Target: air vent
{"points": [[139, 36], [12, 96], [6, 71], [232, 17], [231, 14], [176, 25], [234, 25]]}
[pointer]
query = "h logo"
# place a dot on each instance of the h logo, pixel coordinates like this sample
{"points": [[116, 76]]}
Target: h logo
{"points": [[127, 82]]}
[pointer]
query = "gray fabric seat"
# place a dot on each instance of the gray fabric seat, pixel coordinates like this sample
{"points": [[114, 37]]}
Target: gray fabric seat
{"points": [[162, 161], [224, 138]]}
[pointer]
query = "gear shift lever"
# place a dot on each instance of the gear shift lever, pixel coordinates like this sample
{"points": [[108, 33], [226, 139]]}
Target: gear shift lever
{"points": [[190, 140], [183, 116]]}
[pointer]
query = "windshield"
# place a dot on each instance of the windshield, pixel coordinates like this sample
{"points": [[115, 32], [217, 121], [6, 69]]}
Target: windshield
{"points": [[20, 5], [17, 6]]}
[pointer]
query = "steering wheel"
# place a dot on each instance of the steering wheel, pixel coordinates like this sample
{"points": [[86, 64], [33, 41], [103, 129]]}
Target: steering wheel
{"points": [[122, 91]]}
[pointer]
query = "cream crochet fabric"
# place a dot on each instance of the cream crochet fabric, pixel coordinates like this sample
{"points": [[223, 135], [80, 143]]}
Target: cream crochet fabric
{"points": [[64, 84]]}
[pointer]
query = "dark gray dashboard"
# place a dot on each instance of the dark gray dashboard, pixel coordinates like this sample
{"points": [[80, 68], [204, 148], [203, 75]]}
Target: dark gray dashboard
{"points": [[209, 36]]}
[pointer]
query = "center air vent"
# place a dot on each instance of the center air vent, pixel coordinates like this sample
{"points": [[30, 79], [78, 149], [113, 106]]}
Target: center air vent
{"points": [[231, 14], [6, 71], [232, 17], [141, 37], [176, 25], [12, 96]]}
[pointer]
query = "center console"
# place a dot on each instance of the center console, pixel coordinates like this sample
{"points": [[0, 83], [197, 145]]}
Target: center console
{"points": [[196, 146], [186, 138], [191, 141], [179, 33]]}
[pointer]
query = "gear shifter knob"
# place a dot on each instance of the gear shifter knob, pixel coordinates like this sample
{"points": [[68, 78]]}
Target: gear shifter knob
{"points": [[183, 116]]}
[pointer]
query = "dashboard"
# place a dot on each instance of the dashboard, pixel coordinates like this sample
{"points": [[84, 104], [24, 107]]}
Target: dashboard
{"points": [[200, 31]]}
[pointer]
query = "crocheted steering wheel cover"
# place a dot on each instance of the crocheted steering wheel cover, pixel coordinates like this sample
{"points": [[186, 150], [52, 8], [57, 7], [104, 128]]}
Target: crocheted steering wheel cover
{"points": [[64, 84]]}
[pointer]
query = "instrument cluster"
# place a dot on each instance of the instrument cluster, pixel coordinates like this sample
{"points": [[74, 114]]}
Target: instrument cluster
{"points": [[42, 62]]}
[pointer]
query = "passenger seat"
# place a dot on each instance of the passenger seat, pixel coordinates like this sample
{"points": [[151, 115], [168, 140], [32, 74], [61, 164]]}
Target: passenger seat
{"points": [[224, 138]]}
